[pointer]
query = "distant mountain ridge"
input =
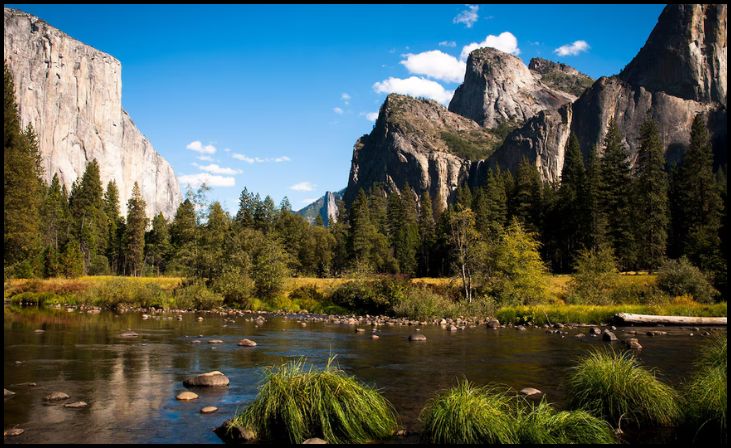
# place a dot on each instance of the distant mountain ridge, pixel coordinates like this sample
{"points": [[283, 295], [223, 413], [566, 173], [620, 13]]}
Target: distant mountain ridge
{"points": [[326, 207]]}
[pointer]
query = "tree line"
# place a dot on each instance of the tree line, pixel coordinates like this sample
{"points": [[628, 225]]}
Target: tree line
{"points": [[643, 213]]}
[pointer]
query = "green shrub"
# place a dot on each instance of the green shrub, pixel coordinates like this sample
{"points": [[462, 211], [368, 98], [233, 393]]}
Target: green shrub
{"points": [[680, 277], [705, 395], [614, 386], [37, 298], [595, 278], [421, 303], [541, 424], [295, 404], [235, 287], [370, 297], [306, 292], [284, 304], [467, 414], [99, 265], [197, 296]]}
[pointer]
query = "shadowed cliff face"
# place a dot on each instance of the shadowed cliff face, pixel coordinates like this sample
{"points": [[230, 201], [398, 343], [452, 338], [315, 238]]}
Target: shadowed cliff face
{"points": [[72, 95], [680, 72], [417, 143]]}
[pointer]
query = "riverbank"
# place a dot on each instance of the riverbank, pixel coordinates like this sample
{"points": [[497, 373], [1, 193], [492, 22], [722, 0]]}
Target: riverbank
{"points": [[421, 301]]}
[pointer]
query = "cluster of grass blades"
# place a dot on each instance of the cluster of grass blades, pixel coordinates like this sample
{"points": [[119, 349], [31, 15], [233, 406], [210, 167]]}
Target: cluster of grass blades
{"points": [[705, 395], [616, 387], [469, 414], [542, 424], [295, 404]]}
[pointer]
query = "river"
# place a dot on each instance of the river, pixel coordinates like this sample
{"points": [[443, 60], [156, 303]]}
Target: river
{"points": [[130, 384]]}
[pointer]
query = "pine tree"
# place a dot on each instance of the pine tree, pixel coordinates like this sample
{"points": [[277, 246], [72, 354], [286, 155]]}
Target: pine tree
{"points": [[497, 204], [615, 190], [212, 240], [527, 197], [362, 230], [72, 260], [87, 209], [55, 215], [652, 216], [157, 243], [114, 221], [572, 207], [700, 202], [135, 232], [265, 214], [247, 205], [597, 234], [23, 191], [463, 199], [427, 232]]}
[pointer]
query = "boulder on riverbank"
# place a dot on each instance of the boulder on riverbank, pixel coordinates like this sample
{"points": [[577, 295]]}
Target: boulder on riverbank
{"points": [[233, 434], [210, 379]]}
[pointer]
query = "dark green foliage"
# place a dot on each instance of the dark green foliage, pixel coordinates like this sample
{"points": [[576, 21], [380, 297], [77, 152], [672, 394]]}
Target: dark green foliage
{"points": [[464, 148], [72, 260], [527, 196], [497, 204], [463, 198], [652, 216], [369, 297], [197, 297], [615, 386], [55, 215], [295, 404], [468, 414], [115, 223], [211, 241], [595, 278], [157, 244], [86, 204], [680, 277], [23, 191], [270, 269], [235, 285], [134, 237], [615, 193], [427, 232], [572, 206]]}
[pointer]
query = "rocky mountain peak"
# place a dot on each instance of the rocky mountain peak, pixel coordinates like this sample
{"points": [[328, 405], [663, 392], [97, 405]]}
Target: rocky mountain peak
{"points": [[560, 76], [499, 89], [72, 95], [685, 55]]}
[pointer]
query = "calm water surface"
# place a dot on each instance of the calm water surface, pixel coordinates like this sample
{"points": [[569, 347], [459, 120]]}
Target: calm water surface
{"points": [[131, 384]]}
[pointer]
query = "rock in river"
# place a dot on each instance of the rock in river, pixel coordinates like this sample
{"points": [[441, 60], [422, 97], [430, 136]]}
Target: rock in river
{"points": [[209, 410], [531, 392], [314, 441], [608, 336], [8, 393], [12, 432], [493, 324], [76, 405], [247, 343], [210, 379], [56, 396], [186, 395], [215, 341], [633, 343], [129, 334], [417, 337]]}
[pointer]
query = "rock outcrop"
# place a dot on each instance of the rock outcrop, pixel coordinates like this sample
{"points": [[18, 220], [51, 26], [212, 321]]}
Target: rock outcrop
{"points": [[417, 143], [680, 72], [499, 89], [326, 207], [560, 76], [72, 95]]}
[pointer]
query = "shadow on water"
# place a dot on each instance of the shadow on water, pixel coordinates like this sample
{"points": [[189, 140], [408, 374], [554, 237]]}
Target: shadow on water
{"points": [[131, 383]]}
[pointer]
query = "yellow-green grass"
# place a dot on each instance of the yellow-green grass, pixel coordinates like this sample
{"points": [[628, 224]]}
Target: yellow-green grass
{"points": [[596, 314], [296, 403], [706, 394], [80, 284]]}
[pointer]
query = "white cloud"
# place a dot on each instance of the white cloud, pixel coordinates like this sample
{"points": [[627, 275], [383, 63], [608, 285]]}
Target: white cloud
{"points": [[251, 160], [504, 41], [468, 16], [197, 146], [215, 169], [338, 110], [435, 64], [415, 86], [345, 97], [196, 180], [371, 116], [448, 43], [303, 186], [573, 49], [205, 158]]}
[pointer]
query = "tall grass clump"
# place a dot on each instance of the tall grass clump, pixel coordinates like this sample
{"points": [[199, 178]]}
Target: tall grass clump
{"points": [[614, 386], [295, 404], [468, 414], [705, 395], [541, 424]]}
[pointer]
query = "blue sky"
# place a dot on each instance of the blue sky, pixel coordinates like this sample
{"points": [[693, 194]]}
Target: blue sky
{"points": [[272, 97]]}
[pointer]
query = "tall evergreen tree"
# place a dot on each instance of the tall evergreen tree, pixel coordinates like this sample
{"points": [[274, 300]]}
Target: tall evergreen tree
{"points": [[652, 214], [114, 223], [213, 236], [528, 196], [87, 208], [427, 232], [362, 230], [157, 243], [615, 190], [700, 201], [463, 199], [23, 191], [572, 206], [247, 205], [135, 232], [597, 234], [55, 215], [265, 214], [497, 204]]}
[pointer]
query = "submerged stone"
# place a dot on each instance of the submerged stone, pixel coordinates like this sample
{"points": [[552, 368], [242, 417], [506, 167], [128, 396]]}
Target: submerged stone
{"points": [[209, 379], [417, 337], [56, 396], [247, 343], [76, 405]]}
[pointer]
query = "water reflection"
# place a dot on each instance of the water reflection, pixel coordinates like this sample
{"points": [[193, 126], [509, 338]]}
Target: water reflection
{"points": [[130, 384]]}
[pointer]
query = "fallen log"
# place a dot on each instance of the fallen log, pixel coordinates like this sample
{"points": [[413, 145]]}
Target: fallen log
{"points": [[627, 318]]}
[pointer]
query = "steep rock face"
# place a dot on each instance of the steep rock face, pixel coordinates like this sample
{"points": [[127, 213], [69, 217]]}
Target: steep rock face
{"points": [[326, 207], [680, 72], [72, 95], [560, 76], [499, 89], [685, 55], [542, 141], [417, 143]]}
